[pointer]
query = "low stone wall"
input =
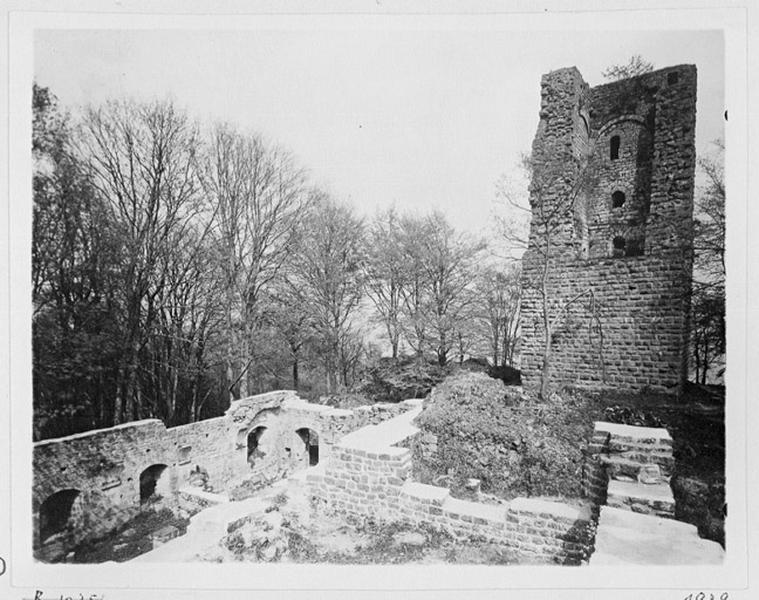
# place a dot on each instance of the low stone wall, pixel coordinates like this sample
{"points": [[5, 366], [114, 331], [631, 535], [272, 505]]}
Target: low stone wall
{"points": [[94, 477], [367, 475], [194, 500]]}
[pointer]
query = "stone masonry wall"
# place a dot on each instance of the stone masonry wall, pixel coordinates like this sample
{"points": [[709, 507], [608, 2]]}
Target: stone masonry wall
{"points": [[612, 202], [376, 483], [101, 469]]}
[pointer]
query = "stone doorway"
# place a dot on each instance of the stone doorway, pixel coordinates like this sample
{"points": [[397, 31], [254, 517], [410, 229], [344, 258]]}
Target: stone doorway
{"points": [[56, 513], [154, 483], [311, 441]]}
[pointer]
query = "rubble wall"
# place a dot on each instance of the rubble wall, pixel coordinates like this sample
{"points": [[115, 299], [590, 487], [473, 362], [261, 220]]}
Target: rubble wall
{"points": [[611, 231], [101, 469]]}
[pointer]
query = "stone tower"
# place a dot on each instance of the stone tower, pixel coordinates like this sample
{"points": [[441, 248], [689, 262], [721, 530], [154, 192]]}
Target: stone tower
{"points": [[610, 249]]}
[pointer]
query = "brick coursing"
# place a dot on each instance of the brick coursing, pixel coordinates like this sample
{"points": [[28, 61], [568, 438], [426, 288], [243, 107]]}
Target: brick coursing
{"points": [[378, 485], [641, 288]]}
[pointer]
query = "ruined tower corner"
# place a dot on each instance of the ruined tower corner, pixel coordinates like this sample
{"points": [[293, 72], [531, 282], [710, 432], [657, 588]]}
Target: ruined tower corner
{"points": [[618, 237]]}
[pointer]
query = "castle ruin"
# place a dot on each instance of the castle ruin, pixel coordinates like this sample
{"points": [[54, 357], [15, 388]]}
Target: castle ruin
{"points": [[609, 262]]}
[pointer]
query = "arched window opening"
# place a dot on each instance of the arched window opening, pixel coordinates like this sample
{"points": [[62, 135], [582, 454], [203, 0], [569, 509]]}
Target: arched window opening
{"points": [[311, 441], [254, 441], [55, 513], [614, 147], [672, 78], [617, 199], [618, 246], [153, 483]]}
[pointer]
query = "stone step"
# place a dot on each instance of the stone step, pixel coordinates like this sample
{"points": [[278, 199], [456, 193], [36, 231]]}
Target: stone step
{"points": [[622, 467], [653, 499], [627, 538]]}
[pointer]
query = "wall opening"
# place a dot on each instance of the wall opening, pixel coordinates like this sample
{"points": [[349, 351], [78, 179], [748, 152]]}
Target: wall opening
{"points": [[617, 199], [153, 483], [311, 441], [254, 441], [672, 78], [614, 147], [618, 245], [634, 247], [55, 513]]}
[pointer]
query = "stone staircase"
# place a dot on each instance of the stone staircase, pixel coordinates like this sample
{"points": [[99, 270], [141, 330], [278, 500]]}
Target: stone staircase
{"points": [[627, 474], [630, 467]]}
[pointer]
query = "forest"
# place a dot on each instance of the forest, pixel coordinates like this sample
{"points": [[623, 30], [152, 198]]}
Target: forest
{"points": [[178, 265]]}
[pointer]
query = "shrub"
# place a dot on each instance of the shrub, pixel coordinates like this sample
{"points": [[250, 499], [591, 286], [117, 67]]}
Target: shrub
{"points": [[345, 400], [509, 375], [395, 380], [473, 426]]}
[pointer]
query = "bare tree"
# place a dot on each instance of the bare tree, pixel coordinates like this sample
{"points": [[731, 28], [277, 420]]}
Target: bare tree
{"points": [[141, 160], [288, 313], [496, 310], [386, 273], [413, 293], [189, 317], [708, 300], [512, 209], [637, 65], [329, 269], [449, 263], [709, 239], [260, 196]]}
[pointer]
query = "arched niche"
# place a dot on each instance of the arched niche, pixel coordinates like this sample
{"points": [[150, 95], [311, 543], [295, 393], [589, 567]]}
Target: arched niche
{"points": [[56, 513], [154, 483]]}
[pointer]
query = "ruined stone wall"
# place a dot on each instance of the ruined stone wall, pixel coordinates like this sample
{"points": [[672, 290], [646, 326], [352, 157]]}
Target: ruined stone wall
{"points": [[376, 485], [612, 203], [100, 470], [367, 478]]}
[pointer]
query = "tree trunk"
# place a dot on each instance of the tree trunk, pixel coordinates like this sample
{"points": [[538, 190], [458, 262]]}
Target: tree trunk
{"points": [[545, 375], [118, 400], [295, 373], [244, 388]]}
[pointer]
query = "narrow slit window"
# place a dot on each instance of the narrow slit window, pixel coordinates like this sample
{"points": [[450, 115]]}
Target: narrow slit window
{"points": [[614, 147], [617, 199]]}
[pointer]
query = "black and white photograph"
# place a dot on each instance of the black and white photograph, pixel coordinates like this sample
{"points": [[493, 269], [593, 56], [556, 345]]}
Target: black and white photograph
{"points": [[375, 299]]}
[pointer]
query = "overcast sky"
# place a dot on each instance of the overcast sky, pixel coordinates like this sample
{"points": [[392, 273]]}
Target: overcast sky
{"points": [[416, 119]]}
